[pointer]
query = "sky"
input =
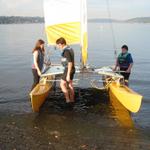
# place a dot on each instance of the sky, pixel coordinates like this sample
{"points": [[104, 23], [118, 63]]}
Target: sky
{"points": [[119, 9]]}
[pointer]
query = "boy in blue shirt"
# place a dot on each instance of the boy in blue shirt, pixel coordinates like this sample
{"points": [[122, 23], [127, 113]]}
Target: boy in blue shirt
{"points": [[125, 63]]}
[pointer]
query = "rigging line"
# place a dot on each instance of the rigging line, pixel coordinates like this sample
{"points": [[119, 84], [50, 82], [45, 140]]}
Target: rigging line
{"points": [[81, 63], [112, 29]]}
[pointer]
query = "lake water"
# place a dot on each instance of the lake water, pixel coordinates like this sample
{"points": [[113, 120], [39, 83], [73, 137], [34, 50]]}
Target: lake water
{"points": [[17, 41]]}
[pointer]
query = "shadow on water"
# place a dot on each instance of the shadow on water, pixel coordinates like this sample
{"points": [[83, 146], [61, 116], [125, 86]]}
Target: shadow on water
{"points": [[89, 101], [85, 101]]}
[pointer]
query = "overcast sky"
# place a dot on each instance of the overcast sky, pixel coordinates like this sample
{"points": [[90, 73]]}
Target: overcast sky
{"points": [[120, 9]]}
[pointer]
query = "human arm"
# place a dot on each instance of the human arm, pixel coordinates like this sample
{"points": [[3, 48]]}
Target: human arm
{"points": [[129, 68], [35, 57], [116, 65], [130, 60]]}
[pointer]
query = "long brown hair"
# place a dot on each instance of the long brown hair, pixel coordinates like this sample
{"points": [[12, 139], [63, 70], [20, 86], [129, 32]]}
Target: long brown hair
{"points": [[38, 46]]}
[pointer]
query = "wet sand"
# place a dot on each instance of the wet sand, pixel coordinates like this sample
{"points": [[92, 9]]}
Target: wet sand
{"points": [[93, 124]]}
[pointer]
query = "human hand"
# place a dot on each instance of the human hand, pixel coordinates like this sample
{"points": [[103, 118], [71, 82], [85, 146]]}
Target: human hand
{"points": [[39, 72], [114, 69], [48, 63], [128, 71]]}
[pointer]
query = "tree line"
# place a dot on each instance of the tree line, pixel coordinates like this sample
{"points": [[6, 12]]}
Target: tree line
{"points": [[20, 20]]}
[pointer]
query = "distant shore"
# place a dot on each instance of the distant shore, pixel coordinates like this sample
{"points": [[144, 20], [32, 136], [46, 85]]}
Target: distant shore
{"points": [[30, 20], [20, 20], [132, 20]]}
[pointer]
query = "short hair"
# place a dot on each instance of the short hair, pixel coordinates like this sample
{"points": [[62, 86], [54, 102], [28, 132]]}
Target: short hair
{"points": [[61, 41], [125, 47]]}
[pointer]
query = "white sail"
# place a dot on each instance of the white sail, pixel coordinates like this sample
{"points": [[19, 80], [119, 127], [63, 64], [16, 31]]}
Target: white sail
{"points": [[68, 19]]}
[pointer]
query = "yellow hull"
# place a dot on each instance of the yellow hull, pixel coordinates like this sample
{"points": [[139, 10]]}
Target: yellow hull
{"points": [[39, 94], [121, 113], [127, 97]]}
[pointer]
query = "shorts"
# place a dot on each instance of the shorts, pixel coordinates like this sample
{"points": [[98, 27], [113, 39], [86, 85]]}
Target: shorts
{"points": [[125, 75], [65, 74]]}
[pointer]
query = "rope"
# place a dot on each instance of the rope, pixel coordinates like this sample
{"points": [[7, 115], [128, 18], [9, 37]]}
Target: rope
{"points": [[112, 29]]}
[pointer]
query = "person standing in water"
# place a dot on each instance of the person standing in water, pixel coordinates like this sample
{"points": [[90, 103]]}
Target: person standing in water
{"points": [[67, 60], [38, 61], [125, 63]]}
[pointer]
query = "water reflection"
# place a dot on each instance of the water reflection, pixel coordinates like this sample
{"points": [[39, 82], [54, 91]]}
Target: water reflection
{"points": [[88, 101]]}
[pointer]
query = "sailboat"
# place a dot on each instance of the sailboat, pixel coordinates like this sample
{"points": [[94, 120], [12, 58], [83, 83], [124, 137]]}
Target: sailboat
{"points": [[68, 19]]}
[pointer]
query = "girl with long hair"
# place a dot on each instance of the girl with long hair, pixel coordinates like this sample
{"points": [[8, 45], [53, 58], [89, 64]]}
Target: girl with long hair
{"points": [[38, 61]]}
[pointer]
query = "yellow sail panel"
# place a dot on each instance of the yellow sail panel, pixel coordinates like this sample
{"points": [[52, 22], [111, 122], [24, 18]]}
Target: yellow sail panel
{"points": [[69, 31]]}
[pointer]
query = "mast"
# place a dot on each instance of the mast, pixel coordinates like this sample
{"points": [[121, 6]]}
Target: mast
{"points": [[84, 36]]}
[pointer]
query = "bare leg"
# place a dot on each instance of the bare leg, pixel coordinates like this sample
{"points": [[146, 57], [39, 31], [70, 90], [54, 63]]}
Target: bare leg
{"points": [[71, 88], [64, 89]]}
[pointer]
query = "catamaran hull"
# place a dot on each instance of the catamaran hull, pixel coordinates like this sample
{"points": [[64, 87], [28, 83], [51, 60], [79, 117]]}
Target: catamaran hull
{"points": [[39, 94], [127, 97], [122, 114]]}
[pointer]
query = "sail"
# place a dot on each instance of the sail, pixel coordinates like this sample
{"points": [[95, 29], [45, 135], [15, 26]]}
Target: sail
{"points": [[67, 19]]}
